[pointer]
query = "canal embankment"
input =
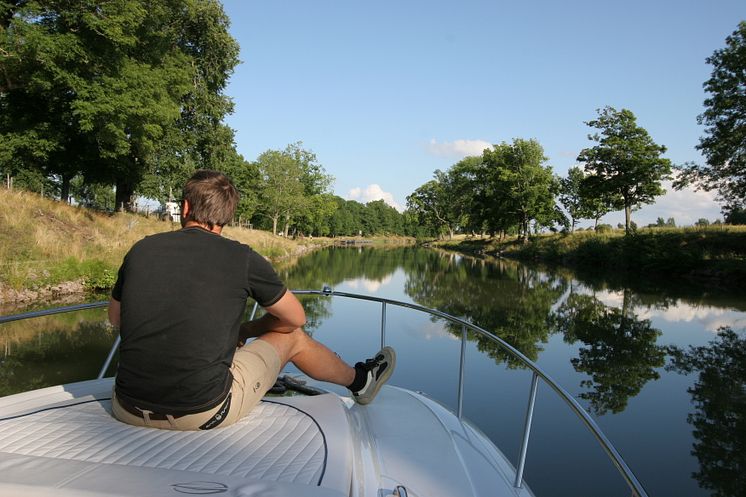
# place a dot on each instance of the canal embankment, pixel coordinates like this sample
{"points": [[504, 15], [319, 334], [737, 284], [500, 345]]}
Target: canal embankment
{"points": [[49, 250], [714, 256]]}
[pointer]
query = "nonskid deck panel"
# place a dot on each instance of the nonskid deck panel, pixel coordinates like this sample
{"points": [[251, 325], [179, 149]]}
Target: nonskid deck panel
{"points": [[276, 442]]}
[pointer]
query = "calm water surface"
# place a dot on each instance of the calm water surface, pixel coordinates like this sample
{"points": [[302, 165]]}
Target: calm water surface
{"points": [[662, 371]]}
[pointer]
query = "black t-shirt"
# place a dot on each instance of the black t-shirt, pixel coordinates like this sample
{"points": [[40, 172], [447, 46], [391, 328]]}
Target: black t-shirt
{"points": [[183, 295]]}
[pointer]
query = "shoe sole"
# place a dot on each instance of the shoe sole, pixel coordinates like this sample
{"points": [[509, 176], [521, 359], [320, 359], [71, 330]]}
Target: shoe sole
{"points": [[382, 380]]}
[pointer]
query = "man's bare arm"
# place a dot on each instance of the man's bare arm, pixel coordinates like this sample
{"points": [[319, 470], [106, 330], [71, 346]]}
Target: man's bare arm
{"points": [[114, 311], [283, 316]]}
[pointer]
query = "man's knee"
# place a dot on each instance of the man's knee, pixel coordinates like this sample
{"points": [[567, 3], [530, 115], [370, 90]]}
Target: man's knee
{"points": [[287, 344]]}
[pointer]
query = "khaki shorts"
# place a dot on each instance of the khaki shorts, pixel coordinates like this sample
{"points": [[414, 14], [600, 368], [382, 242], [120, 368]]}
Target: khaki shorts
{"points": [[255, 368]]}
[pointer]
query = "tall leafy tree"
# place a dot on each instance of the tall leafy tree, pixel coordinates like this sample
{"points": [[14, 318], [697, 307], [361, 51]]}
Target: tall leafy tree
{"points": [[343, 220], [382, 219], [625, 166], [245, 175], [281, 187], [598, 204], [316, 218], [433, 203], [724, 143], [572, 198], [463, 179], [318, 206], [314, 178], [114, 90], [579, 200], [521, 185], [293, 189]]}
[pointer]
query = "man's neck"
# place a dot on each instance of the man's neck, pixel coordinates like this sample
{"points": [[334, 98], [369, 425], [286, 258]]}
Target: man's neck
{"points": [[194, 224]]}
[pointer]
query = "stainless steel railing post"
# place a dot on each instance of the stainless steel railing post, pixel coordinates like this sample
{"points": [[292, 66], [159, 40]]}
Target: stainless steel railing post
{"points": [[253, 311], [526, 431], [460, 411], [383, 324], [109, 357]]}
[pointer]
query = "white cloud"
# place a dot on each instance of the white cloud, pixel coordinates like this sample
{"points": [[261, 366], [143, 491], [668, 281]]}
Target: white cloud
{"points": [[373, 192], [457, 148], [372, 286], [707, 317], [686, 206]]}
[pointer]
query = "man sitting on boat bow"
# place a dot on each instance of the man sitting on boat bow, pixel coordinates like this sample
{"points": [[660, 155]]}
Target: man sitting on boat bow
{"points": [[178, 302]]}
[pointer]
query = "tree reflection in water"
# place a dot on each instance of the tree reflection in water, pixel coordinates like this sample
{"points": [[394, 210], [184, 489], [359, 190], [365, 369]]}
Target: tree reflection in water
{"points": [[505, 298], [334, 265], [621, 353], [53, 350], [719, 419]]}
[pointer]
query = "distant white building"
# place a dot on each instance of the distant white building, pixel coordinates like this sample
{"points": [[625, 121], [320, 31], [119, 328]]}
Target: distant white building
{"points": [[172, 212]]}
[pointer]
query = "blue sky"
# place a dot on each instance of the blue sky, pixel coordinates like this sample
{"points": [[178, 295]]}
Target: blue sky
{"points": [[387, 92]]}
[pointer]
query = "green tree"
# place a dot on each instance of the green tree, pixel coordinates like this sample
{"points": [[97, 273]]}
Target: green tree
{"points": [[316, 220], [520, 184], [572, 197], [115, 91], [291, 184], [345, 218], [724, 143], [432, 203], [382, 219], [625, 166], [94, 195], [281, 188], [598, 204], [464, 181], [446, 202], [314, 178], [245, 176], [316, 184], [413, 227], [735, 215]]}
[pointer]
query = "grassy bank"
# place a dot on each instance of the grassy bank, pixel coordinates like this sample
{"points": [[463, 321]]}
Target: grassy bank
{"points": [[47, 244], [712, 256]]}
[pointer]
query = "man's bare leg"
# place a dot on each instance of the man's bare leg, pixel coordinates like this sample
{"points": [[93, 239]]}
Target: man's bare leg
{"points": [[310, 356]]}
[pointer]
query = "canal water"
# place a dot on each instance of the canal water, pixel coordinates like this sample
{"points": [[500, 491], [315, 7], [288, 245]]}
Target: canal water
{"points": [[662, 370]]}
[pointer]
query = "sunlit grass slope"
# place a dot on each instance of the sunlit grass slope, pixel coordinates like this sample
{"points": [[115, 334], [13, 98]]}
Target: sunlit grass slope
{"points": [[45, 242]]}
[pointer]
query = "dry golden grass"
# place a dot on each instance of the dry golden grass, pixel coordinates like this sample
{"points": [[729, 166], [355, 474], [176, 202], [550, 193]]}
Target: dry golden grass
{"points": [[43, 242]]}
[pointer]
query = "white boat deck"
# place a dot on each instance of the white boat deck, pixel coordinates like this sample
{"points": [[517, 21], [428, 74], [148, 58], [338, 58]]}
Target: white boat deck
{"points": [[60, 440], [63, 440]]}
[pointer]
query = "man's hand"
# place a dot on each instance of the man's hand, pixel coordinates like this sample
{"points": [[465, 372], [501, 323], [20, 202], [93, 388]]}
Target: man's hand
{"points": [[251, 329], [283, 316]]}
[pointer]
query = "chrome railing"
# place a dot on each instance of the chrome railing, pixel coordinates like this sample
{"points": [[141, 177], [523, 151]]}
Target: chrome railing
{"points": [[537, 373]]}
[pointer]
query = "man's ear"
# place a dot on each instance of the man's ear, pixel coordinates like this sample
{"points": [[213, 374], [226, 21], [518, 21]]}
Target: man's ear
{"points": [[185, 208]]}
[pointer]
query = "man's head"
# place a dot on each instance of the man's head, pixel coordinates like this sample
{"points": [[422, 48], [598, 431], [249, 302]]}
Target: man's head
{"points": [[212, 199]]}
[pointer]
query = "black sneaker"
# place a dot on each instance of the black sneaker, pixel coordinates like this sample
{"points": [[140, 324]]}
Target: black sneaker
{"points": [[379, 371]]}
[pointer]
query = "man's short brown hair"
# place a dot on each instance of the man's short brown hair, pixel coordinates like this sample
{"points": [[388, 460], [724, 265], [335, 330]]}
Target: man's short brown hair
{"points": [[212, 198]]}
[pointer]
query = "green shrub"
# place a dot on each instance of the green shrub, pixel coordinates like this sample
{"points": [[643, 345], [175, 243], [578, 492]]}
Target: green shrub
{"points": [[104, 280]]}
